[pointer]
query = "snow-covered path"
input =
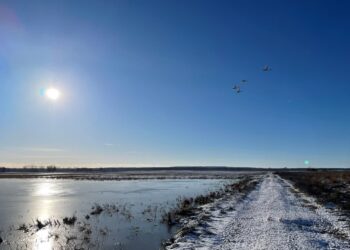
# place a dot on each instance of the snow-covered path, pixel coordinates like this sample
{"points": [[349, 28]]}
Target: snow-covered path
{"points": [[274, 216]]}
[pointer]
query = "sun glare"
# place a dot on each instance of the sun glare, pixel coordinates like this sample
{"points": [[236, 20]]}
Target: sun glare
{"points": [[52, 93]]}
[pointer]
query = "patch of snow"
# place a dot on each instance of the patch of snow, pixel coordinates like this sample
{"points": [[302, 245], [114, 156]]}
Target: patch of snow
{"points": [[273, 216]]}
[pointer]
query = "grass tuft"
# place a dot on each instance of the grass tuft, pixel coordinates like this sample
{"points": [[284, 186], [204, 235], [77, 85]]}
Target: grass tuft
{"points": [[69, 220]]}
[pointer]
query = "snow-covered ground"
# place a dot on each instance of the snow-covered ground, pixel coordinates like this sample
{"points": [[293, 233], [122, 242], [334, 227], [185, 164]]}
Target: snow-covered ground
{"points": [[273, 216]]}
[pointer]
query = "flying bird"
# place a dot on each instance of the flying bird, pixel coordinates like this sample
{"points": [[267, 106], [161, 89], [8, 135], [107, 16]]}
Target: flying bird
{"points": [[244, 81], [237, 89], [266, 68]]}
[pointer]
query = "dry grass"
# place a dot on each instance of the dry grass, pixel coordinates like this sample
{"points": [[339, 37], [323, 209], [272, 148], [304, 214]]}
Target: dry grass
{"points": [[23, 227], [327, 186], [70, 220], [96, 210], [187, 206]]}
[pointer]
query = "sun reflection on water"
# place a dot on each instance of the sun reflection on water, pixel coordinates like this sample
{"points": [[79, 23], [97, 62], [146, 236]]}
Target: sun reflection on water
{"points": [[46, 189], [42, 240], [43, 206]]}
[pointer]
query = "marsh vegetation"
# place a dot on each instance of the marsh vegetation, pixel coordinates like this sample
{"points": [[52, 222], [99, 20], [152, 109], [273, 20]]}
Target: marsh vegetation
{"points": [[330, 188]]}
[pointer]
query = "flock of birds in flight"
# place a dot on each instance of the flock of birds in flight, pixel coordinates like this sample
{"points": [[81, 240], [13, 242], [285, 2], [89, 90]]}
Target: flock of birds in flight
{"points": [[237, 87]]}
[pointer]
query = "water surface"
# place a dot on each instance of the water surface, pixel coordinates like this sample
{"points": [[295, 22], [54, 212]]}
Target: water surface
{"points": [[136, 226]]}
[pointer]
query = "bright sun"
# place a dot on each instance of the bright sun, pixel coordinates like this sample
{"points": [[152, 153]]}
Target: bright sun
{"points": [[52, 93]]}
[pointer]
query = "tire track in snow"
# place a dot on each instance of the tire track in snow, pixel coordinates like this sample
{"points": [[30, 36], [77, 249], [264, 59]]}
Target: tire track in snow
{"points": [[274, 217]]}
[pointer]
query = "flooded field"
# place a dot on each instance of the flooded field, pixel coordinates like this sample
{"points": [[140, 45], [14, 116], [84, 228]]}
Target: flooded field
{"points": [[71, 214]]}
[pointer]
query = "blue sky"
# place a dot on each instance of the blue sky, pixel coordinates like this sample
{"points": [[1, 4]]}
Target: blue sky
{"points": [[148, 83]]}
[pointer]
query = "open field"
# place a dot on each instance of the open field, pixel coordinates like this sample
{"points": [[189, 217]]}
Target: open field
{"points": [[331, 188], [128, 173]]}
